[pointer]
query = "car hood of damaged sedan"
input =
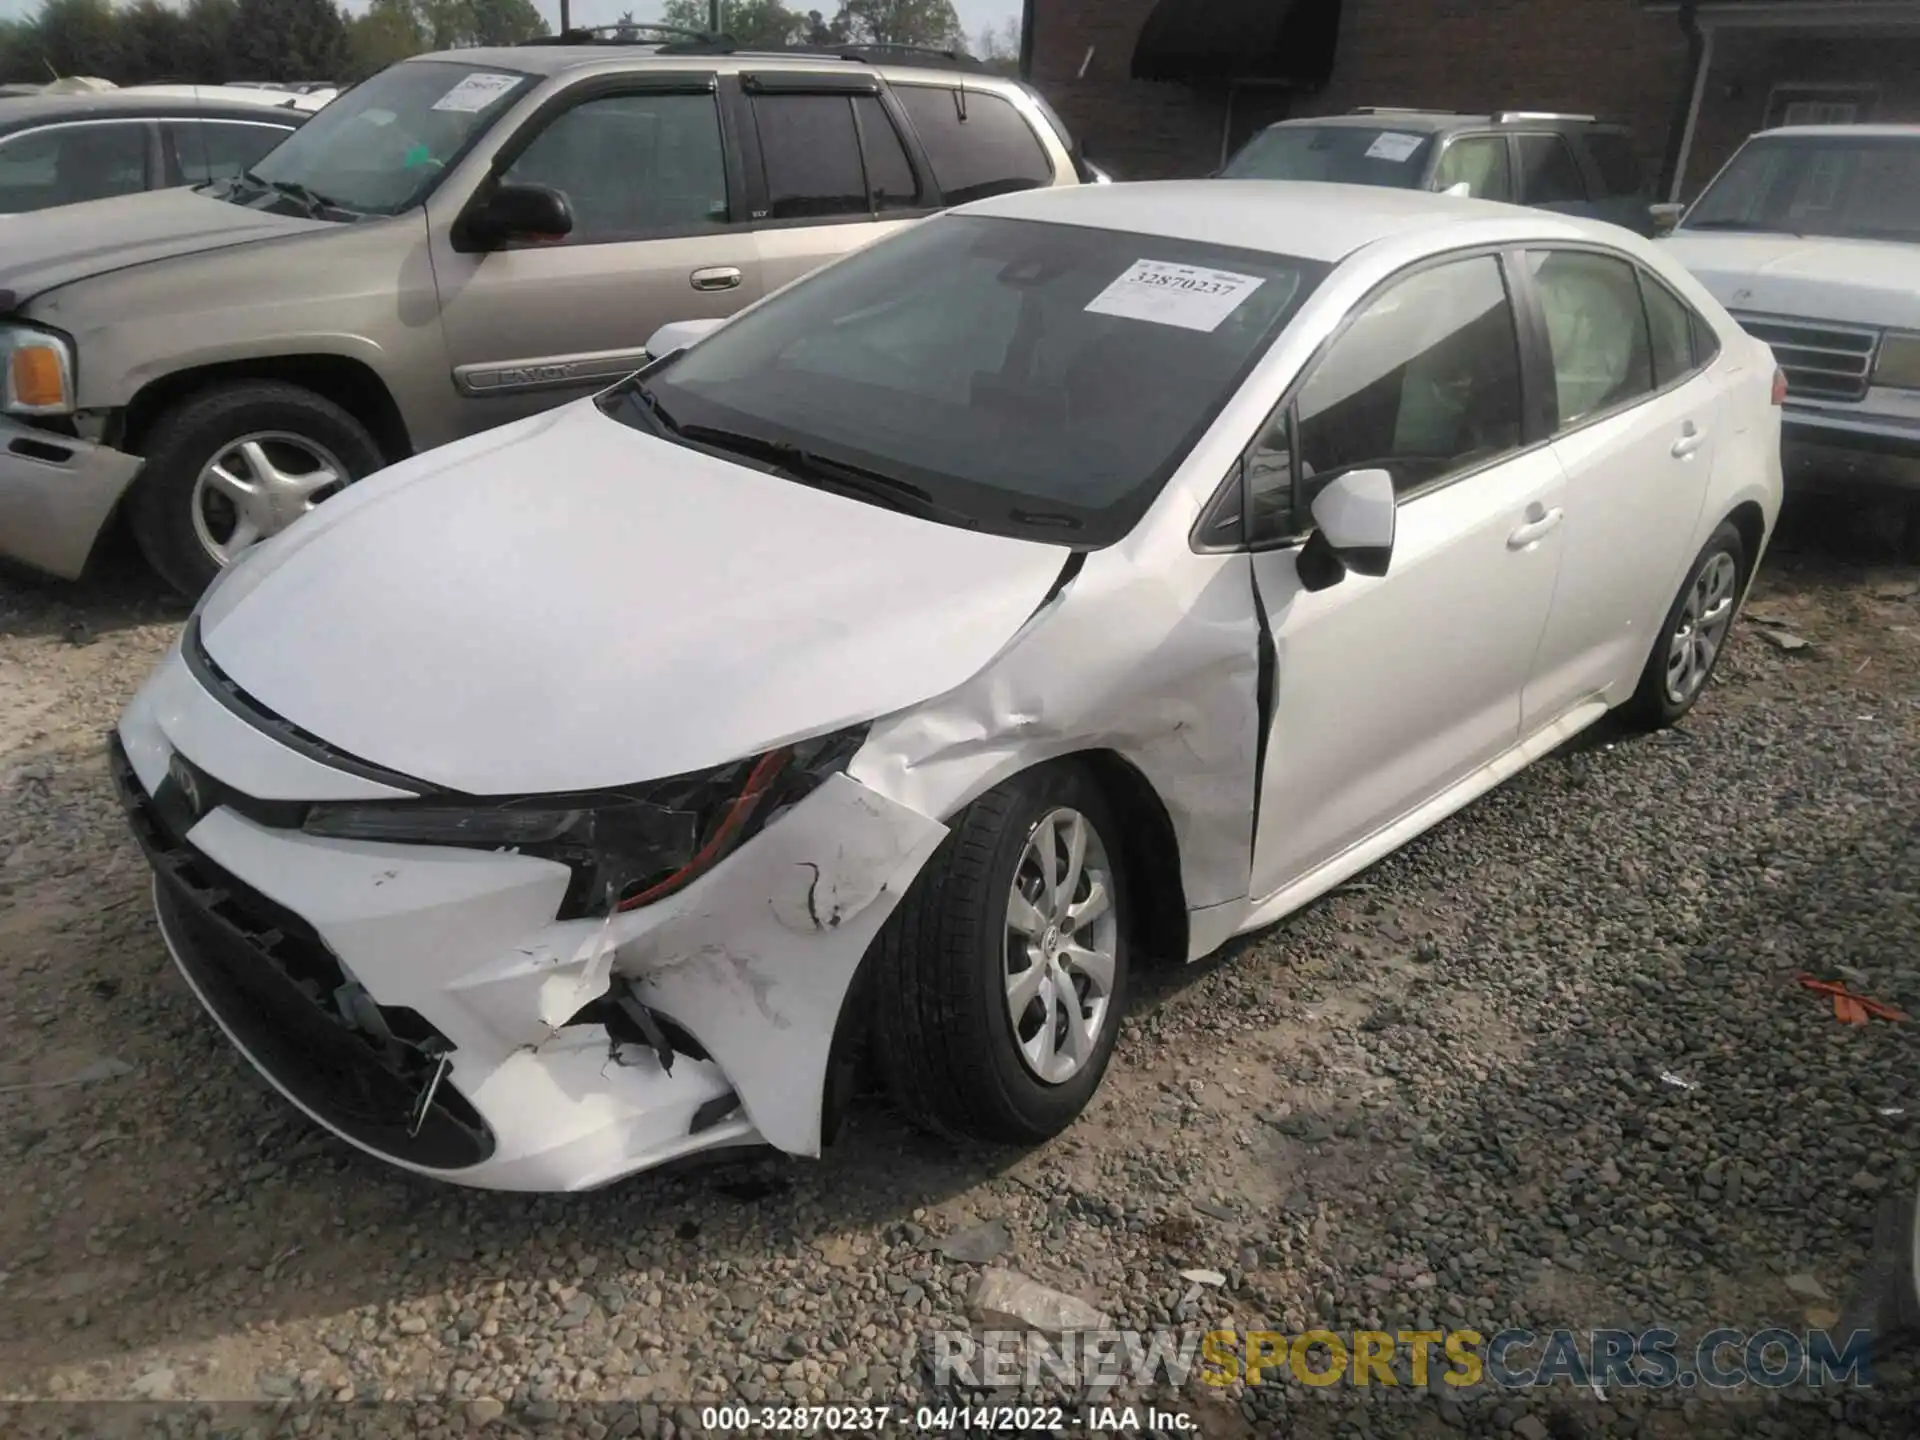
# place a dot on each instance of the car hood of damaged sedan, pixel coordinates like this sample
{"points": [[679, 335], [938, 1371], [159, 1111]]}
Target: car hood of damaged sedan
{"points": [[568, 603]]}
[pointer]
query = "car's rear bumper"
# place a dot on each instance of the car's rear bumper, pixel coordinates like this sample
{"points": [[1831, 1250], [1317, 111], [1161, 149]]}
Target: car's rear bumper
{"points": [[1824, 451], [56, 493], [424, 1003]]}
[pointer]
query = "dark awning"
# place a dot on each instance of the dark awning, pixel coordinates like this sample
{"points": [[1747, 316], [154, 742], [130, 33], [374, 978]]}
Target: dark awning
{"points": [[1288, 40]]}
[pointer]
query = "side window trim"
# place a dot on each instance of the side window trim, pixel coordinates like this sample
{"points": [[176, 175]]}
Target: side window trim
{"points": [[1524, 275], [1511, 259], [927, 189]]}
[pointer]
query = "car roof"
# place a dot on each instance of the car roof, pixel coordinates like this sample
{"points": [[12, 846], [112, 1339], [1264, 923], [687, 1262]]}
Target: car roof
{"points": [[1307, 219], [22, 110], [1861, 132], [549, 60]]}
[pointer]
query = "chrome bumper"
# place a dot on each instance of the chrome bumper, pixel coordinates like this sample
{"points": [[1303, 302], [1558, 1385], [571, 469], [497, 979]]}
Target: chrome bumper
{"points": [[55, 496]]}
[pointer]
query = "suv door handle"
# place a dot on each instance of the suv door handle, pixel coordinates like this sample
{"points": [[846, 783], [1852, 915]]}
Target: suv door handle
{"points": [[719, 277], [1539, 523], [1691, 439]]}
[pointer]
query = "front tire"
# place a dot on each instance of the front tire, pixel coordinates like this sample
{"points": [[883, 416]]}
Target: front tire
{"points": [[1001, 980], [1694, 634], [231, 465]]}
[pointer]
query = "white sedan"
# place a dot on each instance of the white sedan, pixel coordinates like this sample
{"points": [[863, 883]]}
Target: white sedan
{"points": [[1078, 578]]}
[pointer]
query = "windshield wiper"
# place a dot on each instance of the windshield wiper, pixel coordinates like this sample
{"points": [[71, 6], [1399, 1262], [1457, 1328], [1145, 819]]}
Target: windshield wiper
{"points": [[294, 190], [639, 397], [1746, 226], [808, 468]]}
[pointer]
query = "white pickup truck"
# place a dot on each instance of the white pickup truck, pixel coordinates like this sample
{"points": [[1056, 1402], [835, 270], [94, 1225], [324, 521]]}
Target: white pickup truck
{"points": [[1810, 235]]}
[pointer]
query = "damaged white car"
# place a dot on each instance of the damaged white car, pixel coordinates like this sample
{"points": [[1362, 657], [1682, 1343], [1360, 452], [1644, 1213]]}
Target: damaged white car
{"points": [[1079, 577]]}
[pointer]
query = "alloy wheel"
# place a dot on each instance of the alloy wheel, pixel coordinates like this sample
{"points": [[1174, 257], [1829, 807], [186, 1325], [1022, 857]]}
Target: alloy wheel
{"points": [[1062, 935], [257, 486], [1702, 628]]}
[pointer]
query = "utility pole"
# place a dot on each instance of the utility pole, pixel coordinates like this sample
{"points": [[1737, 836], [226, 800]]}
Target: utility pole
{"points": [[713, 17], [566, 16]]}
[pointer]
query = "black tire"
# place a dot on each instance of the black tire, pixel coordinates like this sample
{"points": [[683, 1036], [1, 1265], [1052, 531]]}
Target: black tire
{"points": [[942, 1035], [190, 435], [1654, 706]]}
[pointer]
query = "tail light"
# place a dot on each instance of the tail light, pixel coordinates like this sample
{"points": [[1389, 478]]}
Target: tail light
{"points": [[1779, 386]]}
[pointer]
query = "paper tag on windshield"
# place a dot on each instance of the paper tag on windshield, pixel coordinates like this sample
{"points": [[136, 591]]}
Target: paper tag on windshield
{"points": [[476, 92], [1392, 145], [1189, 296]]}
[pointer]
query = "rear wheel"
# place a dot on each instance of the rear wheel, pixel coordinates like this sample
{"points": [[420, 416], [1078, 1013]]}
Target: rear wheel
{"points": [[1694, 634], [1001, 980], [230, 466]]}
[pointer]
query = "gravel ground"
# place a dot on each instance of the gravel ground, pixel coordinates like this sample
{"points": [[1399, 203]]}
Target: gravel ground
{"points": [[1545, 1067]]}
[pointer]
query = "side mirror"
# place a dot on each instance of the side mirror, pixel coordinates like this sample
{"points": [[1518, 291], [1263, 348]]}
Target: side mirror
{"points": [[520, 212], [1462, 188], [1665, 217], [678, 336], [1353, 518]]}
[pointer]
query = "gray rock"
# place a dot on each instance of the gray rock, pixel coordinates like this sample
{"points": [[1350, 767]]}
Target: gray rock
{"points": [[977, 1244], [1006, 1299]]}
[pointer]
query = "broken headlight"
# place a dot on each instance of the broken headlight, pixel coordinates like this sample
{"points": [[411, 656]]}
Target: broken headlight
{"points": [[627, 847]]}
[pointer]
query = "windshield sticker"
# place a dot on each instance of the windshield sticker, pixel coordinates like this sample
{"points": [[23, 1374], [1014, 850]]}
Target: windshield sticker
{"points": [[1189, 296], [476, 92], [1392, 145], [378, 117]]}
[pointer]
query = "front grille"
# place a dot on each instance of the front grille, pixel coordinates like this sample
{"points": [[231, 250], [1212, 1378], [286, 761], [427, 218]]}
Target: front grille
{"points": [[1823, 362], [272, 981]]}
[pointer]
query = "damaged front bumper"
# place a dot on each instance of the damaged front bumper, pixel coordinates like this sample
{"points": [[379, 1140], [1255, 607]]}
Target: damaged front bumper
{"points": [[56, 493], [424, 1004]]}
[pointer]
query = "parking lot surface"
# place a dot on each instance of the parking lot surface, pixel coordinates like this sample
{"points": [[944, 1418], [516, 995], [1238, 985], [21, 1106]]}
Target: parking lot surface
{"points": [[1546, 1067]]}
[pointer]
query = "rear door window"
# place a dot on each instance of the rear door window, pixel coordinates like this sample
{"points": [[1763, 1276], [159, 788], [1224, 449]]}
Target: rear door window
{"points": [[1597, 331], [1478, 162], [978, 144], [1549, 174], [889, 174], [208, 150], [65, 164], [811, 151]]}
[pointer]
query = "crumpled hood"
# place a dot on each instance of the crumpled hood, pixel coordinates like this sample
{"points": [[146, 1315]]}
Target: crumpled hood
{"points": [[1856, 282], [50, 248], [568, 603]]}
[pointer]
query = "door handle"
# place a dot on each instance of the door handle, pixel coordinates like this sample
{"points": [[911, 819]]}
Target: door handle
{"points": [[719, 277], [1690, 440], [1539, 524]]}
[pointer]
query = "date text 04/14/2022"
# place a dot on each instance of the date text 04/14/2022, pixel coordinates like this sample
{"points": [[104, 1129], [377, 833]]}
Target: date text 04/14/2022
{"points": [[939, 1419]]}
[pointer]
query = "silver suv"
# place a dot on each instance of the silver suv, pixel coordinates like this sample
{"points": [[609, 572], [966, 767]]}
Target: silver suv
{"points": [[459, 241]]}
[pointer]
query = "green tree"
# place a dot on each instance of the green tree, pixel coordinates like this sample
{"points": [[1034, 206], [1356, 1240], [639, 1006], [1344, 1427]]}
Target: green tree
{"points": [[209, 35], [289, 40], [391, 30], [754, 23], [450, 24], [903, 22], [999, 48], [79, 37], [820, 30], [155, 44]]}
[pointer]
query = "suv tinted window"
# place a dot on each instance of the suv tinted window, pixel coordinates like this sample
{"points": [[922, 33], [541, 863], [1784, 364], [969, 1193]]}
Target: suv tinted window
{"points": [[208, 150], [1619, 167], [1479, 161], [63, 164], [1339, 154], [632, 166], [1602, 356], [889, 175], [812, 156], [978, 143], [1549, 175], [1424, 382]]}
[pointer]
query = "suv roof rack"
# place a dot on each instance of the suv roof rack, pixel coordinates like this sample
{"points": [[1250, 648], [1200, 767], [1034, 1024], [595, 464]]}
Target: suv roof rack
{"points": [[1502, 117], [1396, 110], [623, 34], [924, 55]]}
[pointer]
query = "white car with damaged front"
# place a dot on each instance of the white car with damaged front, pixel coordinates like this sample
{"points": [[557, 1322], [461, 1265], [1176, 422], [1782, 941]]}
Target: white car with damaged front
{"points": [[1074, 578]]}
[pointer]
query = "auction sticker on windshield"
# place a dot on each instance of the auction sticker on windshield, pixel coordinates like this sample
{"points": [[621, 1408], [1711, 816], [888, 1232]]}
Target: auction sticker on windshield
{"points": [[1189, 296], [476, 92], [1392, 145]]}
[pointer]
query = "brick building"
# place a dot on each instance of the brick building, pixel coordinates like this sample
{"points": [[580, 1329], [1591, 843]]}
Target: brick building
{"points": [[1161, 88]]}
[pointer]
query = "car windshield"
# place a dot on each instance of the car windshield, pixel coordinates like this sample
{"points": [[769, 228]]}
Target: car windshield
{"points": [[380, 147], [1340, 154], [1028, 379], [1854, 186]]}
